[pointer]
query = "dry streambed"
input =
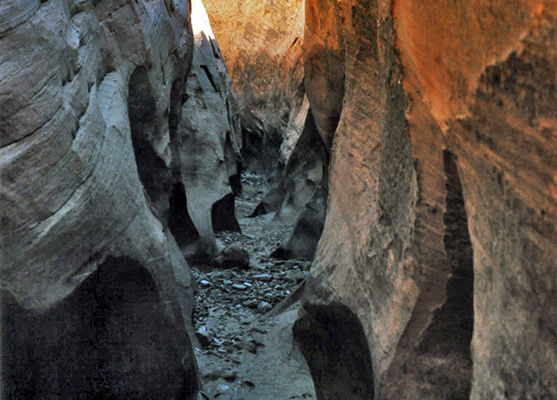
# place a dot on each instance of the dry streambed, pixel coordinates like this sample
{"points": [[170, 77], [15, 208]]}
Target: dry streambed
{"points": [[244, 317]]}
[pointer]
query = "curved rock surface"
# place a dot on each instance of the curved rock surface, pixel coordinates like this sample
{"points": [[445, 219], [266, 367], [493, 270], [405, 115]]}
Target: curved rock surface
{"points": [[262, 47], [95, 163], [436, 269], [210, 140], [300, 197]]}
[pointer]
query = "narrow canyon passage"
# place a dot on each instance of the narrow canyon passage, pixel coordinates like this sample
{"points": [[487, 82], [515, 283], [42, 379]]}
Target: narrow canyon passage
{"points": [[278, 200]]}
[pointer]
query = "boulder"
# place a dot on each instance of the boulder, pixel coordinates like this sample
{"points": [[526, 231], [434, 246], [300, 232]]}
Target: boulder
{"points": [[232, 256]]}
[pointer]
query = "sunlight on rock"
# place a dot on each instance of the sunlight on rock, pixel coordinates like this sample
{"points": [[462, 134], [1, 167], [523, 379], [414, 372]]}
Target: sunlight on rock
{"points": [[200, 20]]}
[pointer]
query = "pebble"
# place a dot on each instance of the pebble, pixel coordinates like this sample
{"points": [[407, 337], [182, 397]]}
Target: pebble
{"points": [[243, 345], [203, 336], [264, 306], [263, 277], [222, 388], [239, 286], [252, 303]]}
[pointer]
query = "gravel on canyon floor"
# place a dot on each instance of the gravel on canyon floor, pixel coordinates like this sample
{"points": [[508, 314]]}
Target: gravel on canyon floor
{"points": [[243, 317]]}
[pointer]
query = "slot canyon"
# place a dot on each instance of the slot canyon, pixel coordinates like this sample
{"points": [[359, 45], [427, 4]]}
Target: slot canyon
{"points": [[278, 200]]}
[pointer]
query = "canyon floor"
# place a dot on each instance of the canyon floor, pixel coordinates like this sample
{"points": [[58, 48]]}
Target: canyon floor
{"points": [[244, 317]]}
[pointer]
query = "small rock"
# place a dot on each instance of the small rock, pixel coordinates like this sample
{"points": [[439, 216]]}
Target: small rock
{"points": [[222, 388], [259, 330], [252, 303], [232, 256], [239, 286], [299, 276], [264, 306], [230, 375], [249, 346], [246, 320], [203, 336], [263, 277]]}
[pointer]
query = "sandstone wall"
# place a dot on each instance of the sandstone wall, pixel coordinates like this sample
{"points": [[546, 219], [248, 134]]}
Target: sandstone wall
{"points": [[436, 269], [93, 176], [262, 46], [209, 139]]}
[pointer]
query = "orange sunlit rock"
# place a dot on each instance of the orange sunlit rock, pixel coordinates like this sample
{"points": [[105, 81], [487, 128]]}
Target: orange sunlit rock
{"points": [[441, 221], [261, 43]]}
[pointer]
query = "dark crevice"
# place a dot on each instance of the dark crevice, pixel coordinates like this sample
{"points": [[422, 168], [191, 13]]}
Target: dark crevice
{"points": [[261, 150], [453, 323], [235, 180], [210, 77], [452, 326], [175, 105], [252, 145], [179, 220], [222, 215], [216, 52], [233, 166], [334, 344], [153, 172]]}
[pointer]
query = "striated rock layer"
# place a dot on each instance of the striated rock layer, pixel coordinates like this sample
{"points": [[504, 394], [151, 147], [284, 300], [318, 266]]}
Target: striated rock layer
{"points": [[436, 272], [98, 180], [262, 46]]}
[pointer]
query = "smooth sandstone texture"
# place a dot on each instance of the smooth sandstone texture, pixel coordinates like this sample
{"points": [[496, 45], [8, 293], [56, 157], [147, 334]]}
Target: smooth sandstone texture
{"points": [[262, 46], [436, 271], [93, 171], [210, 140]]}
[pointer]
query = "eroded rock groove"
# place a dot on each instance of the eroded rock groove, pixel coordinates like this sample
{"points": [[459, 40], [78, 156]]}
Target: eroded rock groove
{"points": [[152, 170], [450, 334]]}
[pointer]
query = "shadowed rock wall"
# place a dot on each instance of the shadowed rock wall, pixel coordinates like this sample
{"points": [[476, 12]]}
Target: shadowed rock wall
{"points": [[97, 296], [299, 198], [108, 339], [441, 218]]}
